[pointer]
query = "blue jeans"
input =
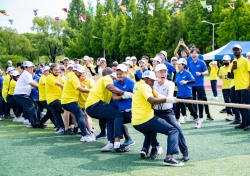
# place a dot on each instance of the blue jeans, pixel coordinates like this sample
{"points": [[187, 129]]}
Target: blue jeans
{"points": [[242, 98], [75, 109], [236, 111], [158, 125], [227, 99], [55, 108], [29, 106], [102, 110], [214, 87]]}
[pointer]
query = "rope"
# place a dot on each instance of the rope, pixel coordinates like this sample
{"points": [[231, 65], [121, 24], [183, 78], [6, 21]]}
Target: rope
{"points": [[232, 105]]}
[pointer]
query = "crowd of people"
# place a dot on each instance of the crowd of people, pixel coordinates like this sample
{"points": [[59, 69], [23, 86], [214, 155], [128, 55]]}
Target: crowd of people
{"points": [[71, 93]]}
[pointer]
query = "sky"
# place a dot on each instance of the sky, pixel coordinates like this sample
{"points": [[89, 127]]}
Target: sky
{"points": [[21, 11]]}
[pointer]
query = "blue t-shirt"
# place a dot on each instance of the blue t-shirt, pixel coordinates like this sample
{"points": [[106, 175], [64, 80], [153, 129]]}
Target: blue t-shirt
{"points": [[199, 66], [189, 59], [138, 73], [38, 73], [1, 82], [184, 91], [170, 68], [127, 85], [34, 91]]}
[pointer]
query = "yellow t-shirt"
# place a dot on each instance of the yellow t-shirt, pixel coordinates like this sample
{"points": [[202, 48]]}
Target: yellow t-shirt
{"points": [[213, 72], [6, 82], [70, 93], [100, 92], [41, 88], [87, 83], [12, 87], [241, 74], [92, 67], [177, 70], [223, 72], [53, 92], [136, 67], [141, 109], [130, 74]]}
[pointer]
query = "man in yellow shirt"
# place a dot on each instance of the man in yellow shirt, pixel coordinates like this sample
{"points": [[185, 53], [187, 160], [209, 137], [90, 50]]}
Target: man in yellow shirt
{"points": [[53, 91], [241, 73], [97, 106], [213, 78], [144, 120]]}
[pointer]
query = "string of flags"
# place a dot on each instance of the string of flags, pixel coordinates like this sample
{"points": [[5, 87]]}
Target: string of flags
{"points": [[203, 3], [151, 8], [124, 10], [11, 21], [231, 5], [209, 8], [3, 12]]}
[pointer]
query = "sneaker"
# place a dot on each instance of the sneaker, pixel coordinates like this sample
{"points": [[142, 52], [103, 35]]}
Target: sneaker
{"points": [[60, 131], [190, 118], [120, 149], [75, 130], [93, 136], [155, 151], [128, 143], [230, 117], [86, 138], [223, 111], [1, 119], [172, 162], [198, 123], [15, 119], [185, 158], [68, 132], [247, 128], [26, 122], [29, 125], [101, 136], [209, 117], [108, 148], [144, 153], [240, 126], [182, 119], [20, 119], [235, 122]]}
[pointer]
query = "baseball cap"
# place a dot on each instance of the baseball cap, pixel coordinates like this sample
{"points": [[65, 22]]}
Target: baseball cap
{"points": [[128, 58], [79, 68], [182, 61], [226, 58], [71, 62], [149, 74], [28, 64], [156, 58], [122, 67], [142, 61], [76, 59], [164, 53], [160, 67], [9, 62], [45, 68], [10, 69], [237, 46], [115, 62], [86, 58], [103, 59], [14, 73], [70, 65], [174, 58], [129, 62], [133, 58], [248, 54], [66, 59]]}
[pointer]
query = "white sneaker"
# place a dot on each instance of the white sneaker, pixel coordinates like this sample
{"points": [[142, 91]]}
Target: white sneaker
{"points": [[198, 123], [1, 119], [214, 98], [20, 119], [86, 138], [60, 131], [230, 117], [159, 150], [107, 148], [15, 119], [182, 119], [26, 122], [29, 125], [92, 135], [190, 118]]}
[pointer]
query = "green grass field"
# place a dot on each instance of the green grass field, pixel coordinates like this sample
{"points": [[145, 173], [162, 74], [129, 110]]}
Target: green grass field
{"points": [[216, 149]]}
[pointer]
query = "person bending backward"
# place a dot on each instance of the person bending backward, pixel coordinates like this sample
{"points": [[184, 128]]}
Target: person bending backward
{"points": [[22, 94], [53, 89], [144, 120], [241, 72], [97, 106]]}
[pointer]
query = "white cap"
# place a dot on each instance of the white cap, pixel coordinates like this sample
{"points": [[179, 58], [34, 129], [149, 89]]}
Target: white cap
{"points": [[133, 58], [149, 74], [160, 67], [122, 67], [14, 73], [70, 65], [115, 62], [79, 68], [10, 69], [237, 46], [129, 62], [156, 58], [128, 58], [28, 64], [45, 68], [71, 62], [182, 61], [226, 58], [164, 53], [103, 59], [248, 54], [9, 62], [174, 58], [86, 58], [142, 61], [66, 58]]}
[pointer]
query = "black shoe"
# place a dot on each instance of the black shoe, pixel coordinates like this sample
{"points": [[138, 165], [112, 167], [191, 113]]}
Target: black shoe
{"points": [[101, 136], [144, 153], [172, 162], [240, 126], [68, 132], [235, 122], [247, 128], [223, 111], [185, 158], [75, 130], [209, 117], [153, 153], [120, 149]]}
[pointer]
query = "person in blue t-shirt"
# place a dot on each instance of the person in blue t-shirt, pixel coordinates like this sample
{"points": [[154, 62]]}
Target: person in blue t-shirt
{"points": [[39, 70], [171, 69], [183, 80], [138, 73], [198, 69]]}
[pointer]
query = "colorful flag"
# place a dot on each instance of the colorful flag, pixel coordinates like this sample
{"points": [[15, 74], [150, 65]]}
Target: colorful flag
{"points": [[35, 11], [123, 7], [64, 9], [57, 19], [151, 12], [179, 2], [91, 10], [3, 12], [151, 6], [129, 14], [209, 8], [11, 21], [83, 18], [231, 5], [203, 3], [177, 10]]}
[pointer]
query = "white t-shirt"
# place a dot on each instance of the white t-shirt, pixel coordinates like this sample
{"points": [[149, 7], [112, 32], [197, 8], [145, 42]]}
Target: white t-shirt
{"points": [[166, 90], [23, 84]]}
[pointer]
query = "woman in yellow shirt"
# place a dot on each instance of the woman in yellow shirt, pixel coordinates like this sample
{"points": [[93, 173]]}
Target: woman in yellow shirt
{"points": [[213, 78]]}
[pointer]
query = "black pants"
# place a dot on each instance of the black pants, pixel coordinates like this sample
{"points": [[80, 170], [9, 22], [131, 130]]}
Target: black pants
{"points": [[17, 109], [48, 114], [180, 105]]}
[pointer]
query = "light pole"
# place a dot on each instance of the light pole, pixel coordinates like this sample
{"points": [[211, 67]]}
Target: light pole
{"points": [[213, 24], [103, 47]]}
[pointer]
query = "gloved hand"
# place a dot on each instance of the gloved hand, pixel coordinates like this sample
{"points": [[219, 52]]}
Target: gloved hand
{"points": [[127, 95], [171, 100]]}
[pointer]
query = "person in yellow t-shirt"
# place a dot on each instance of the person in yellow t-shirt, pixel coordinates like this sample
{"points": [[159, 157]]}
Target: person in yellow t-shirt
{"points": [[130, 73], [213, 78], [89, 68], [135, 67], [97, 106], [144, 120], [70, 96], [53, 91], [241, 72]]}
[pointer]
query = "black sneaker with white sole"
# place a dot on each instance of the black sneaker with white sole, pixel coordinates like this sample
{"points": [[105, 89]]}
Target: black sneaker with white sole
{"points": [[172, 162], [120, 150], [144, 153]]}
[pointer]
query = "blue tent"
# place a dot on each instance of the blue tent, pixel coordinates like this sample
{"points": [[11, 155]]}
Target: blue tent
{"points": [[227, 49]]}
